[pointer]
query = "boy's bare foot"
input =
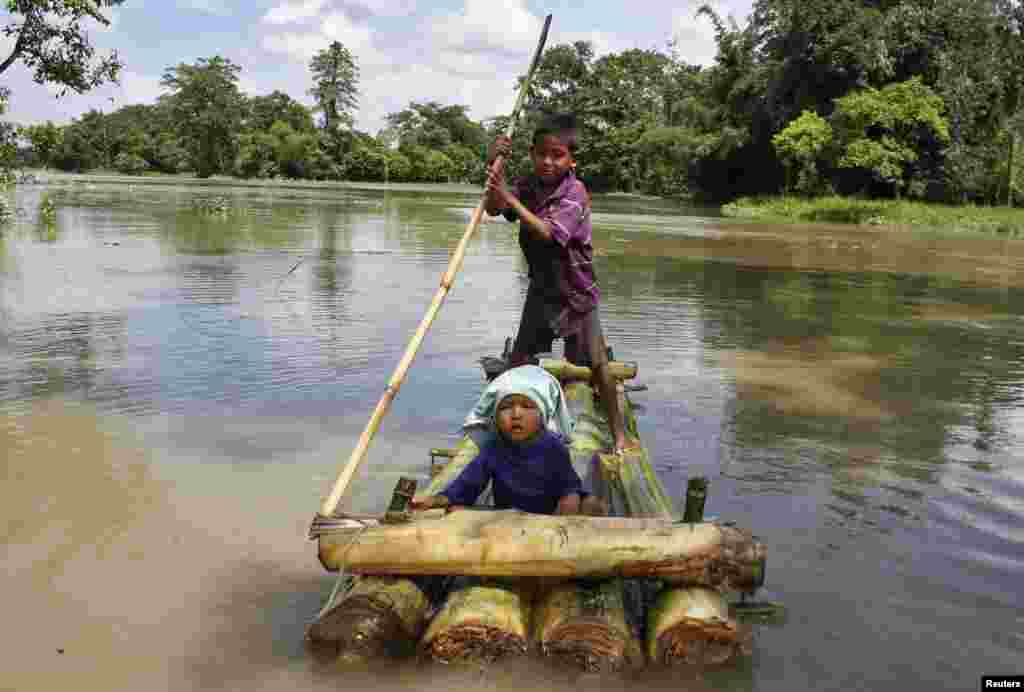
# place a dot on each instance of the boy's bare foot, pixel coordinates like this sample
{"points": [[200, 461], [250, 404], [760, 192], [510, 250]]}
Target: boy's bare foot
{"points": [[624, 443]]}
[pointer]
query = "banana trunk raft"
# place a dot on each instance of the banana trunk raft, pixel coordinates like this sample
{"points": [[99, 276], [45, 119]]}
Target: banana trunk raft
{"points": [[600, 593]]}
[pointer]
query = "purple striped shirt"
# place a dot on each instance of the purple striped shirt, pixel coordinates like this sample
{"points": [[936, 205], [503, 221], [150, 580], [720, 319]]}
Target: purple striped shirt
{"points": [[563, 270]]}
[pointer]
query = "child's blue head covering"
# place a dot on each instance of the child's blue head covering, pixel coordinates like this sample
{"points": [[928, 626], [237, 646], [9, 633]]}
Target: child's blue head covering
{"points": [[530, 381]]}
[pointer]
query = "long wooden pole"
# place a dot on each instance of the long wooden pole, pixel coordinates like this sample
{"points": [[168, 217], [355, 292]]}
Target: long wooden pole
{"points": [[359, 453]]}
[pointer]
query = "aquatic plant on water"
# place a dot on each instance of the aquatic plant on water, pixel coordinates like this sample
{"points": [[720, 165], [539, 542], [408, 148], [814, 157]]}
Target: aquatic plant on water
{"points": [[47, 211], [212, 205]]}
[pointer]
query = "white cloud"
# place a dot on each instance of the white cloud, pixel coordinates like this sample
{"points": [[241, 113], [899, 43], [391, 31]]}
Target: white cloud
{"points": [[384, 8], [389, 92], [695, 36], [500, 26], [215, 7], [301, 45], [293, 11]]}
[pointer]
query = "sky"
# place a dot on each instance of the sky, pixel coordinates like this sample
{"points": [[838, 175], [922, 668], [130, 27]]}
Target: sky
{"points": [[465, 52]]}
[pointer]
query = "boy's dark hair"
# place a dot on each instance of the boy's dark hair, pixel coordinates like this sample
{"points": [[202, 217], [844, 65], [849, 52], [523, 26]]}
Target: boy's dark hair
{"points": [[561, 125]]}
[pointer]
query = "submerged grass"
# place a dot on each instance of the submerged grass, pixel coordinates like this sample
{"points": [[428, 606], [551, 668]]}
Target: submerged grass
{"points": [[880, 212]]}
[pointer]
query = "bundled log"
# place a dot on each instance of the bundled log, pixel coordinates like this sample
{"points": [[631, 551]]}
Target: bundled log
{"points": [[508, 543], [564, 370], [694, 626], [378, 615], [585, 624], [481, 621]]}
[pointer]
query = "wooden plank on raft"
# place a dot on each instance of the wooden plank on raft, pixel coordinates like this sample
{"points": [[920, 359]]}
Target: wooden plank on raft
{"points": [[514, 544]]}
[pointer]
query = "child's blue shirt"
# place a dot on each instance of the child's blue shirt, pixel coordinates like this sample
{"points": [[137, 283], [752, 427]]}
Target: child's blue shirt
{"points": [[530, 477]]}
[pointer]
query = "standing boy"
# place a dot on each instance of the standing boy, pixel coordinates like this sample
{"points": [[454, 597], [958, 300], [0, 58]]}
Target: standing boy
{"points": [[553, 209]]}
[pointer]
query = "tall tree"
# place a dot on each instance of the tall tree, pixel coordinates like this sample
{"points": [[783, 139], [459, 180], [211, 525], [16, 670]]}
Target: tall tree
{"points": [[49, 39], [264, 111], [206, 106], [44, 139], [884, 130], [433, 125], [335, 85]]}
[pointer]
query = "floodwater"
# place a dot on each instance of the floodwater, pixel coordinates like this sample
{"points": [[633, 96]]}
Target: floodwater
{"points": [[179, 388]]}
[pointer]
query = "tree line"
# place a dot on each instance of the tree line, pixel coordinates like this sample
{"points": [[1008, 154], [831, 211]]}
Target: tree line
{"points": [[885, 98]]}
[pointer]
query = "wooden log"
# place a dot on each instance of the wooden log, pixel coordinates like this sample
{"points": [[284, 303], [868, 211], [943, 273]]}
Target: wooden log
{"points": [[584, 624], [481, 621], [378, 615], [693, 626], [564, 370], [514, 544]]}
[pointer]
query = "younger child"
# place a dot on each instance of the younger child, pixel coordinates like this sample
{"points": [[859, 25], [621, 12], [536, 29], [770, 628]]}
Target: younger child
{"points": [[527, 463]]}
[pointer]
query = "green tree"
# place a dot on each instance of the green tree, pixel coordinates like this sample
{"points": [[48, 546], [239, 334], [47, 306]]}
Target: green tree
{"points": [[882, 130], [367, 160], [130, 164], [257, 156], [49, 39], [206, 106], [8, 143], [398, 167], [295, 152], [562, 77], [77, 152], [436, 126], [673, 157], [467, 164], [799, 146], [263, 111], [335, 85], [44, 139]]}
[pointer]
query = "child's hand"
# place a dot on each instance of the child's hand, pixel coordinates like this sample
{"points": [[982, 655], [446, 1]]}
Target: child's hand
{"points": [[429, 502], [497, 190], [570, 504], [502, 146]]}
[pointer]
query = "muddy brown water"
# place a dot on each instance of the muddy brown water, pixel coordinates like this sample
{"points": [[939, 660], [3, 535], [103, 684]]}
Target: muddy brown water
{"points": [[178, 389]]}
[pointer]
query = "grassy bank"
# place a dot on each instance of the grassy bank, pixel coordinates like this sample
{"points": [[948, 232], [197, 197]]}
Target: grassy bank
{"points": [[880, 212]]}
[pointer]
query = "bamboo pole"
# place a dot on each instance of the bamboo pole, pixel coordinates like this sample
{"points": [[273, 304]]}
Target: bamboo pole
{"points": [[359, 453]]}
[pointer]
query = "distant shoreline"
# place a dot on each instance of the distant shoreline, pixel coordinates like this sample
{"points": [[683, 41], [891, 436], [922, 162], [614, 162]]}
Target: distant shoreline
{"points": [[47, 176]]}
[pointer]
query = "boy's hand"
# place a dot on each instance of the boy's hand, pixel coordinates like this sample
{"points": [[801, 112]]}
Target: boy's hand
{"points": [[497, 190], [502, 146]]}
